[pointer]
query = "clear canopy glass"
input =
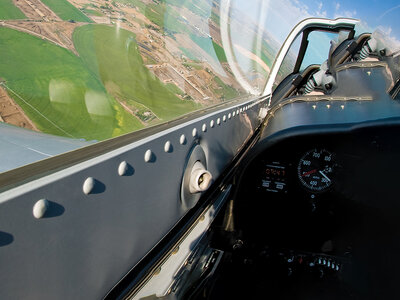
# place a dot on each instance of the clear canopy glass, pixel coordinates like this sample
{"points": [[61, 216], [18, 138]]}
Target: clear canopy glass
{"points": [[96, 69]]}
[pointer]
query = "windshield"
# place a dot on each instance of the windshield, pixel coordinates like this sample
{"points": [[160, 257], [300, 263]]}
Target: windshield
{"points": [[288, 62], [318, 49], [98, 69], [90, 70], [319, 43]]}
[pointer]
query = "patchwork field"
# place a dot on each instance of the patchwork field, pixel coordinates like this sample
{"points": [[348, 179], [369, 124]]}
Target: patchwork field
{"points": [[143, 63], [8, 11], [66, 10], [57, 92], [112, 54]]}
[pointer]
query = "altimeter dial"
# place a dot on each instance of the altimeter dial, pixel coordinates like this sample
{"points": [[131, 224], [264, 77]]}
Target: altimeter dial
{"points": [[315, 169]]}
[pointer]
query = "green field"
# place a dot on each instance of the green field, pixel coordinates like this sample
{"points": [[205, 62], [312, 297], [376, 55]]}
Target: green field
{"points": [[9, 11], [208, 45], [112, 54], [138, 3], [225, 92], [174, 89], [66, 10], [219, 51], [68, 99], [156, 13], [93, 12]]}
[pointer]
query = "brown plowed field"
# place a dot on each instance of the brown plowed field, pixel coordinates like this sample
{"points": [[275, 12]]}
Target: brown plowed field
{"points": [[11, 113], [34, 9], [167, 74]]}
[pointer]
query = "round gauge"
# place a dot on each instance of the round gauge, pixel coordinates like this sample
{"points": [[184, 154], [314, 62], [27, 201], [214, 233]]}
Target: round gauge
{"points": [[315, 169]]}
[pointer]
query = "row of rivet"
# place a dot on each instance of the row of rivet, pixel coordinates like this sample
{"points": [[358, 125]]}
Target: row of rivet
{"points": [[328, 106], [41, 206]]}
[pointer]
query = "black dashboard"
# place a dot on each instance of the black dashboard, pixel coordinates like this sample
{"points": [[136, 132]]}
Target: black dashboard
{"points": [[332, 193], [314, 172]]}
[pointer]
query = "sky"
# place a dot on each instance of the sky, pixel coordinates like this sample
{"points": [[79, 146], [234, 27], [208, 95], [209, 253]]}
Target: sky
{"points": [[384, 14], [283, 15]]}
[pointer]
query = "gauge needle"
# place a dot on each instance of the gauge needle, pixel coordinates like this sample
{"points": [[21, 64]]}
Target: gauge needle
{"points": [[327, 178], [309, 172]]}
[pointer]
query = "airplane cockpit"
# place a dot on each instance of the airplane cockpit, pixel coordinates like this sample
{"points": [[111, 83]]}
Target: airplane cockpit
{"points": [[312, 210], [203, 150], [314, 207]]}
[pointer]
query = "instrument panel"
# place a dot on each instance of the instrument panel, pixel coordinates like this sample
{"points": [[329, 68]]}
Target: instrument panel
{"points": [[314, 171], [274, 179], [315, 168]]}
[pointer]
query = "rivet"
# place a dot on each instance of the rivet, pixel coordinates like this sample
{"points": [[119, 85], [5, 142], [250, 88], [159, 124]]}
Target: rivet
{"points": [[158, 271], [123, 168], [40, 208], [182, 139], [229, 115], [88, 185], [328, 106], [147, 156], [194, 132], [212, 123], [204, 128], [237, 111], [342, 106], [224, 118], [314, 106], [233, 114], [175, 251], [219, 121], [168, 146]]}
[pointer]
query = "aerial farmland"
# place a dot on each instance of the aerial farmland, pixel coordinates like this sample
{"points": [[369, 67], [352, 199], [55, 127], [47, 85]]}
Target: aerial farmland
{"points": [[95, 69]]}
